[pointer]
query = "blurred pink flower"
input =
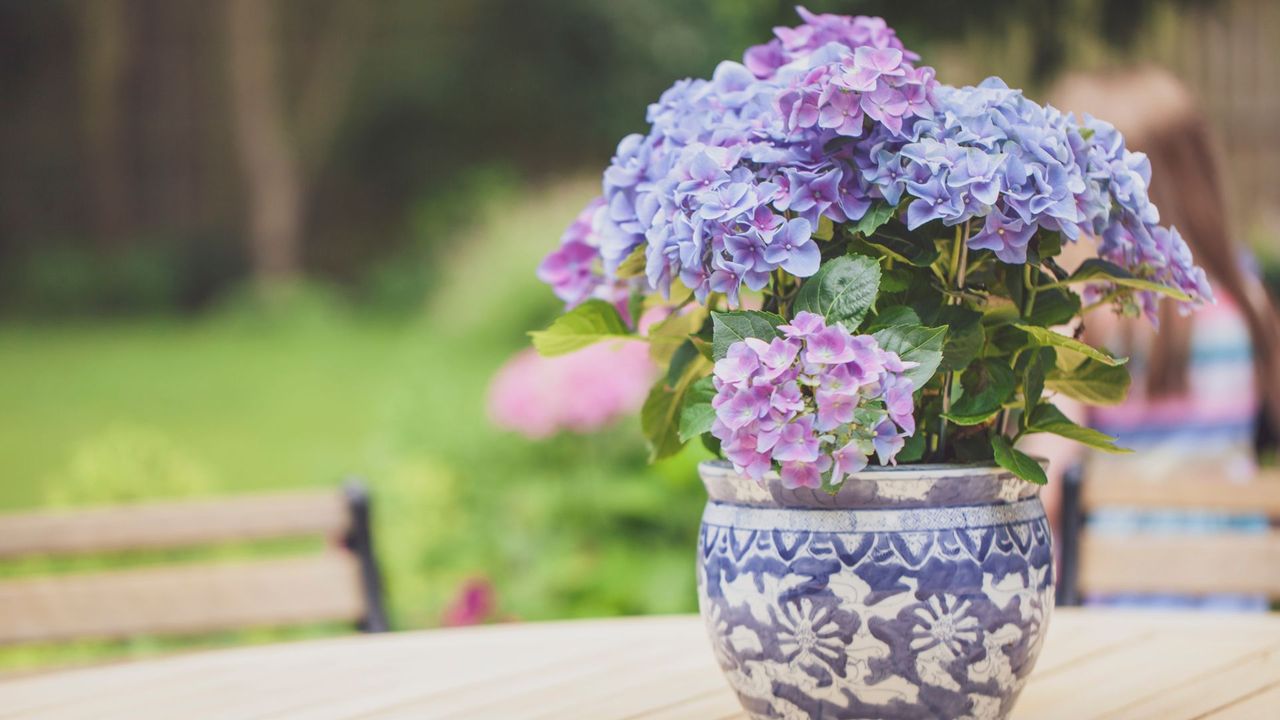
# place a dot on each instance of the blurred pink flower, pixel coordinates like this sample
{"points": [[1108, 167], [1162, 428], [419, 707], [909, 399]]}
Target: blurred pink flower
{"points": [[538, 396], [473, 604]]}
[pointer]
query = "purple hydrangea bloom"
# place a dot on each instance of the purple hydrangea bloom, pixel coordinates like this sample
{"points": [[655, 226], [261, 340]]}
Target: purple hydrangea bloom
{"points": [[735, 172], [812, 404], [828, 118]]}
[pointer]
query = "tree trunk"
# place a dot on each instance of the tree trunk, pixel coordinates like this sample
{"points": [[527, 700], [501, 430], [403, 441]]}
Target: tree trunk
{"points": [[268, 159]]}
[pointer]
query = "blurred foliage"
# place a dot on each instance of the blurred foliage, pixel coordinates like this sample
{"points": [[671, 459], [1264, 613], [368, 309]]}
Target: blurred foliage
{"points": [[306, 390], [121, 192]]}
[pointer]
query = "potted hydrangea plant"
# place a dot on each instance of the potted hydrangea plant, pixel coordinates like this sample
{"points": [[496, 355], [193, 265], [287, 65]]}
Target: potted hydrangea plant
{"points": [[849, 275]]}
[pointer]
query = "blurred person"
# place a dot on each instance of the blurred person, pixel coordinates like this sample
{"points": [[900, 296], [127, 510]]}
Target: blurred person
{"points": [[1202, 381]]}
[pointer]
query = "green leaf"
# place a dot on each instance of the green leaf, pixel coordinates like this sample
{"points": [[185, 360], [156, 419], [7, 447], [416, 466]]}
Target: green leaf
{"points": [[1049, 419], [877, 215], [909, 246], [965, 337], [680, 360], [1045, 337], [842, 290], [1090, 382], [667, 336], [1054, 306], [913, 449], [895, 280], [987, 386], [1047, 245], [660, 415], [730, 327], [893, 315], [586, 324], [1038, 363], [1099, 270], [633, 264], [1016, 461], [915, 343], [697, 415]]}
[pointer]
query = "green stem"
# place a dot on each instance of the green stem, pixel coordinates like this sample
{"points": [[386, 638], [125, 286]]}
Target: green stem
{"points": [[1030, 278], [959, 261]]}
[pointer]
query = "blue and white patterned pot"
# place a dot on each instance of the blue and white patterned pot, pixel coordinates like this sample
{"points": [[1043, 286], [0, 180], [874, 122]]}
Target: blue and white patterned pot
{"points": [[915, 592]]}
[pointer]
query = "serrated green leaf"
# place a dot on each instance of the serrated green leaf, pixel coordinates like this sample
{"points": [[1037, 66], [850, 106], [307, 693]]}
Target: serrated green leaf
{"points": [[1049, 419], [842, 290], [732, 326], [586, 324], [1099, 270], [660, 415], [633, 264], [1045, 337], [697, 415], [878, 214], [915, 343], [906, 245], [1016, 461], [1090, 382]]}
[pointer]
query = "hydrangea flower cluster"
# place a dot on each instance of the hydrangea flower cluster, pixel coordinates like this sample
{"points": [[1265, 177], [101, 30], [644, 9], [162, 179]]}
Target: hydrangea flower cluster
{"points": [[735, 173], [991, 154], [815, 402], [829, 117], [1120, 213]]}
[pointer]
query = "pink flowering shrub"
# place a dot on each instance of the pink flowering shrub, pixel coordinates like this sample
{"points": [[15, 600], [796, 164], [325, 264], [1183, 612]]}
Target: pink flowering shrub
{"points": [[583, 391], [813, 403]]}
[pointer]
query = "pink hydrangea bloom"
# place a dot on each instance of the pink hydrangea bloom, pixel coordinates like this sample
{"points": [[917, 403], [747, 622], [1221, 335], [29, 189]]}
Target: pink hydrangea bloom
{"points": [[813, 404], [539, 396]]}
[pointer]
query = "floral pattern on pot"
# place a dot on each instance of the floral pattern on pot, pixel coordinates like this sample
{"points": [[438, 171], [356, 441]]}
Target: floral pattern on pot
{"points": [[894, 612]]}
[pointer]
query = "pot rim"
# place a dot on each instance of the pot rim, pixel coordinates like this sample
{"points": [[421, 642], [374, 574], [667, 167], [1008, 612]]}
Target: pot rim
{"points": [[902, 486], [882, 473]]}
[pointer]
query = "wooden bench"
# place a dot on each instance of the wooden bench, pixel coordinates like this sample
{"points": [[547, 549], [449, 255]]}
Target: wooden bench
{"points": [[340, 583], [1191, 563]]}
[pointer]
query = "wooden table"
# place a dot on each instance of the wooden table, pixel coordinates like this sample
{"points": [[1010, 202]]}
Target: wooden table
{"points": [[1095, 664]]}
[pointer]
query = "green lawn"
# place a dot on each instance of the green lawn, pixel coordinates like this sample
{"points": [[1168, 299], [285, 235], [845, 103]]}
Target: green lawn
{"points": [[239, 401]]}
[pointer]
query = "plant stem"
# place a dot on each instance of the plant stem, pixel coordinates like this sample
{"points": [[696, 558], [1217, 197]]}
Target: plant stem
{"points": [[1031, 278], [959, 262]]}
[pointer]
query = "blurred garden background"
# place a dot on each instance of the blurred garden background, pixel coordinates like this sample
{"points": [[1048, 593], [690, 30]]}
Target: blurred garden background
{"points": [[264, 244]]}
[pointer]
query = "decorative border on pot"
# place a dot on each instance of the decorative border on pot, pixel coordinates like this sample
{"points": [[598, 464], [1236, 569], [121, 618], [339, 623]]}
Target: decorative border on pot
{"points": [[744, 517]]}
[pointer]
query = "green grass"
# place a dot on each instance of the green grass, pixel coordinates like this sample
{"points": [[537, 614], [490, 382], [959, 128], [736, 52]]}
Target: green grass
{"points": [[306, 394]]}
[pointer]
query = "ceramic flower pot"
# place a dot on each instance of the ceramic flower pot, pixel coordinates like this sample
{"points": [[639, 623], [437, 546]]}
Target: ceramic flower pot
{"points": [[915, 592]]}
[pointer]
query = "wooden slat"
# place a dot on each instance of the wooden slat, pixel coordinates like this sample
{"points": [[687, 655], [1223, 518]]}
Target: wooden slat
{"points": [[1262, 495], [1210, 692], [1097, 664], [1195, 564], [1262, 705], [162, 525], [1106, 685], [181, 599]]}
